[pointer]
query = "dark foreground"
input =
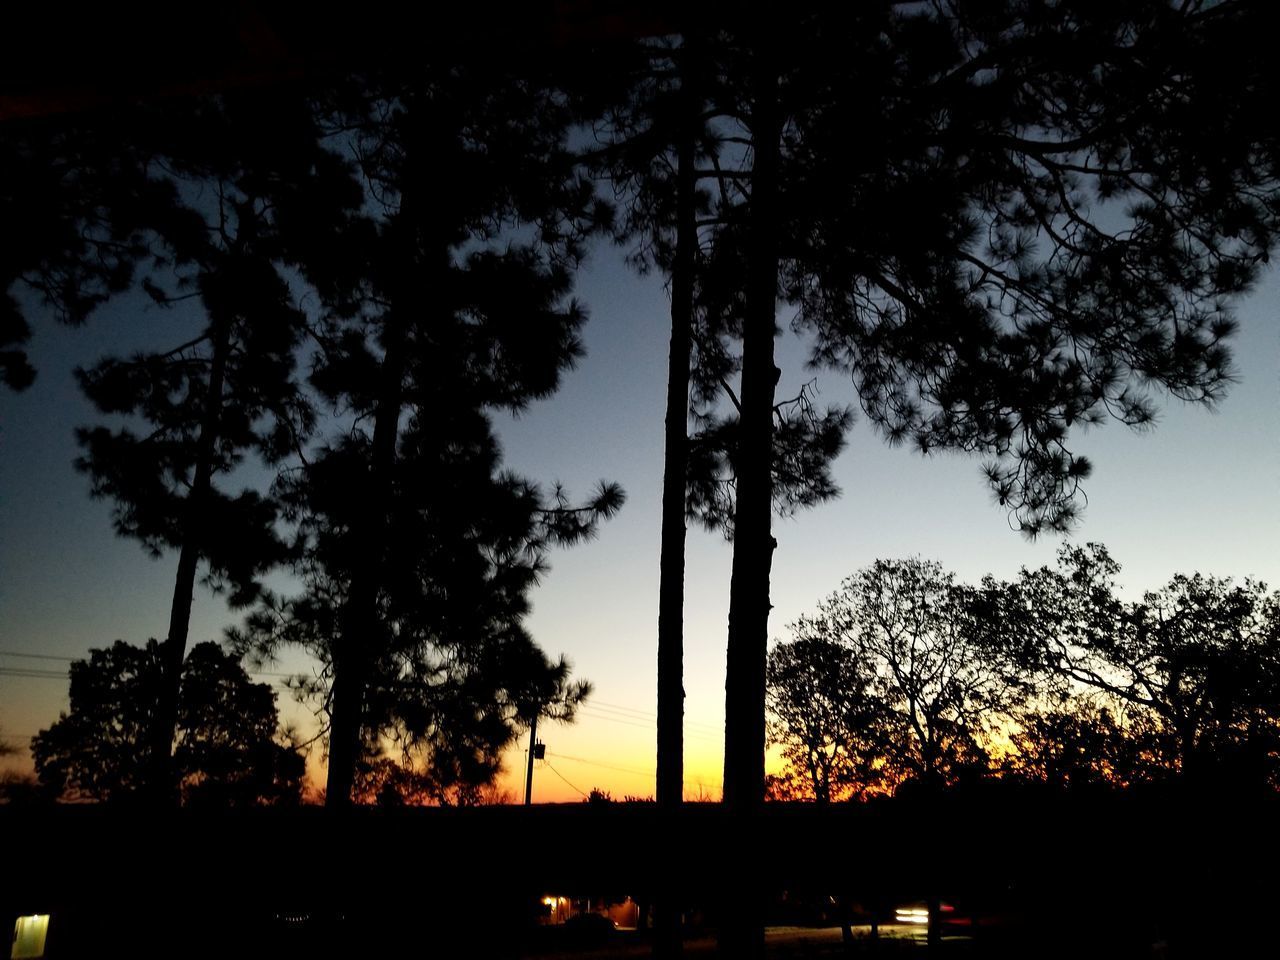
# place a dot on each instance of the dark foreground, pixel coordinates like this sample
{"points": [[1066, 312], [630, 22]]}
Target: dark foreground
{"points": [[1024, 874]]}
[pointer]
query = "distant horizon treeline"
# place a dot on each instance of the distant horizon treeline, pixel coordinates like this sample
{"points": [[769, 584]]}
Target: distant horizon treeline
{"points": [[906, 679]]}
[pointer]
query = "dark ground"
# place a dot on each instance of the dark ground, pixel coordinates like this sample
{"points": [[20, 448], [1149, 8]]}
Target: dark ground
{"points": [[1042, 876]]}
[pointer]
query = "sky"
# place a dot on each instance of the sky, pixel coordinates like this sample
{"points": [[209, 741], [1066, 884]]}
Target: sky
{"points": [[1196, 493]]}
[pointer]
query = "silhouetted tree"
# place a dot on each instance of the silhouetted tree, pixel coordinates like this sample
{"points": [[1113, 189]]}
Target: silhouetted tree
{"points": [[251, 186], [445, 306], [389, 781], [1198, 661], [228, 749], [1081, 744], [914, 628], [828, 714], [456, 676], [653, 135], [665, 142], [78, 212]]}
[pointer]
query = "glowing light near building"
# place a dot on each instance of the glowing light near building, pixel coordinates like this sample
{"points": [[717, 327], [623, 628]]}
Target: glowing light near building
{"points": [[911, 915], [557, 909], [28, 937]]}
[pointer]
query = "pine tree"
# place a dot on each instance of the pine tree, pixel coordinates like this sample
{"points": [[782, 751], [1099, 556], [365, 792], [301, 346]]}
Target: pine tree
{"points": [[450, 302], [249, 183]]}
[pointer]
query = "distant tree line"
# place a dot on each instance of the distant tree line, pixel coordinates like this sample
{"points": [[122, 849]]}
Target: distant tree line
{"points": [[905, 679]]}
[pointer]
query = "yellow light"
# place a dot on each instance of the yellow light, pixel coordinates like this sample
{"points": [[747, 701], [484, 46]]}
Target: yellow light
{"points": [[549, 901], [28, 937]]}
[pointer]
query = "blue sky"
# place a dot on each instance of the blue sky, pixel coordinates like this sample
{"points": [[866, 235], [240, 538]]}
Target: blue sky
{"points": [[1198, 492]]}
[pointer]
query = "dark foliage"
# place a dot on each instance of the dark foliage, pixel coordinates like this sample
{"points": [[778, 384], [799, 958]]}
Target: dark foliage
{"points": [[1047, 679], [828, 712], [1195, 665], [244, 183], [417, 550], [933, 684], [228, 750]]}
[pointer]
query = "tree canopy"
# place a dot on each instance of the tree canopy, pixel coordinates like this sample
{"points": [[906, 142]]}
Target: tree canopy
{"points": [[828, 713], [1196, 660], [1048, 678], [991, 217], [941, 688], [228, 750], [416, 549]]}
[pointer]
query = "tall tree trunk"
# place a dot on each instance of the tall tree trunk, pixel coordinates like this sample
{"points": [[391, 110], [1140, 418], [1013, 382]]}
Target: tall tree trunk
{"points": [[410, 275], [161, 780], [753, 545], [670, 765], [744, 728], [670, 769], [360, 626]]}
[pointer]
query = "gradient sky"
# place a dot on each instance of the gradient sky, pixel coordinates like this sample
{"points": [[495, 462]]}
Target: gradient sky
{"points": [[1198, 492]]}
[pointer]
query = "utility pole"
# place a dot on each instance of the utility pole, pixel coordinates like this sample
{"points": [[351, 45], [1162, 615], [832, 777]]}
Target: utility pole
{"points": [[533, 752]]}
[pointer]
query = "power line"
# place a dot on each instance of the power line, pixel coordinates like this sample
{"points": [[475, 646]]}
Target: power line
{"points": [[64, 659], [648, 721], [35, 673], [32, 673], [648, 715], [603, 706], [645, 714], [696, 782], [592, 763], [651, 725], [562, 777], [604, 716]]}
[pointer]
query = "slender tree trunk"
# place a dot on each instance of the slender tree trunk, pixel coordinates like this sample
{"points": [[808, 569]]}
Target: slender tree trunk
{"points": [[360, 625], [670, 766], [670, 770], [162, 782], [361, 628], [753, 546], [743, 936]]}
